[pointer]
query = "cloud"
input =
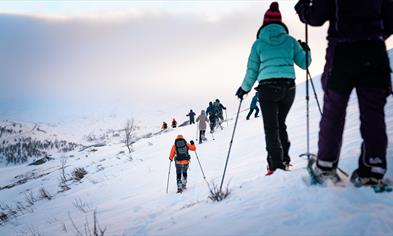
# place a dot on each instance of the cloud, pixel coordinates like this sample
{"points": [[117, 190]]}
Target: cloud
{"points": [[142, 57]]}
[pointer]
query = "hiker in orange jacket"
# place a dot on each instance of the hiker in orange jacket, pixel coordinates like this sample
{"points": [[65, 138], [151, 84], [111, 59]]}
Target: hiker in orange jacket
{"points": [[179, 153]]}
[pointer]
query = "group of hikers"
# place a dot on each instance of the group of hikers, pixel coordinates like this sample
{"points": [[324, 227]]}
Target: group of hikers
{"points": [[164, 125], [356, 58]]}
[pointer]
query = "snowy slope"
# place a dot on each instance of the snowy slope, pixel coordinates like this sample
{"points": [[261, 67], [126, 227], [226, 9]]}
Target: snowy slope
{"points": [[129, 195]]}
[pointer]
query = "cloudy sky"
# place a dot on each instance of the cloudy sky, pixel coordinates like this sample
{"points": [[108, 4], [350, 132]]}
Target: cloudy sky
{"points": [[131, 53]]}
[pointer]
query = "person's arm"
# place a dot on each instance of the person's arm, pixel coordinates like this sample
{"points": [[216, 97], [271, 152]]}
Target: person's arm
{"points": [[315, 14], [387, 17], [222, 106], [300, 55], [191, 146], [253, 64], [173, 153]]}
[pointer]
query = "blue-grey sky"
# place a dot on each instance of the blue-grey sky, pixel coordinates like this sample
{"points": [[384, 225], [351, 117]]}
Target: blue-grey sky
{"points": [[137, 53]]}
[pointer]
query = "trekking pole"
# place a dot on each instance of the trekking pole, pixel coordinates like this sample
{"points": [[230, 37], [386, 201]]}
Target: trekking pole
{"points": [[315, 93], [308, 154], [197, 132], [169, 173], [204, 177], [309, 78], [230, 144], [226, 116]]}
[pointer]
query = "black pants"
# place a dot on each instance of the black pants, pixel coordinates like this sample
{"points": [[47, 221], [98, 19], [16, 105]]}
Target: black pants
{"points": [[213, 120], [192, 121], [256, 109], [181, 170], [276, 98]]}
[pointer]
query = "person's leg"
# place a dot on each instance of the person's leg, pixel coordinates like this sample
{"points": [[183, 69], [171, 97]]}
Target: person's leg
{"points": [[179, 170], [372, 161], [331, 129], [268, 101], [249, 113], [284, 106], [200, 136], [256, 112], [204, 135], [184, 181]]}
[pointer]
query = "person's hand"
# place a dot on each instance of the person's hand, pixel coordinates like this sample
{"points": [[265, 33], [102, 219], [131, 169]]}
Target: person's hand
{"points": [[170, 159], [240, 93], [300, 8], [304, 45], [192, 142]]}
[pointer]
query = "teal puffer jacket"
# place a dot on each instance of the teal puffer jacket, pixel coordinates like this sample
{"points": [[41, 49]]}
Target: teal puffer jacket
{"points": [[273, 55]]}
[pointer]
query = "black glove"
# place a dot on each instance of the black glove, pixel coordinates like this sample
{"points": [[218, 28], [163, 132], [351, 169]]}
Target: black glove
{"points": [[304, 45], [192, 142], [240, 93], [300, 8]]}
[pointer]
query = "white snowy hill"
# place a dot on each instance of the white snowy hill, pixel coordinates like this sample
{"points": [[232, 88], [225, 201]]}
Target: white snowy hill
{"points": [[127, 191]]}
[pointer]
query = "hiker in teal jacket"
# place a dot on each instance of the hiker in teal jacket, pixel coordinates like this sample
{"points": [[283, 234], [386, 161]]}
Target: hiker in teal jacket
{"points": [[253, 107], [271, 63]]}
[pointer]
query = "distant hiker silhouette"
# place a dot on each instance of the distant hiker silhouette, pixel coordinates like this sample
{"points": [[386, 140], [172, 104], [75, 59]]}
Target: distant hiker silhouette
{"points": [[253, 106], [191, 114], [174, 123], [202, 124]]}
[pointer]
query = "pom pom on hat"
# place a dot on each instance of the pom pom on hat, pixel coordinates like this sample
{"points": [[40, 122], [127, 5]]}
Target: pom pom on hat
{"points": [[273, 14]]}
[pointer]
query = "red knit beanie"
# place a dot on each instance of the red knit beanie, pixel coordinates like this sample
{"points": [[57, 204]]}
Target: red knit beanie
{"points": [[273, 14]]}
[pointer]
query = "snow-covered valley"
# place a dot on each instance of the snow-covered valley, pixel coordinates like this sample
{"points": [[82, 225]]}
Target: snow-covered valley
{"points": [[127, 191]]}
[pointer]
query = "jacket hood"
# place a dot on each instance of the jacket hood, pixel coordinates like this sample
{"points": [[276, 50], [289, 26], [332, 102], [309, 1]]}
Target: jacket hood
{"points": [[274, 34]]}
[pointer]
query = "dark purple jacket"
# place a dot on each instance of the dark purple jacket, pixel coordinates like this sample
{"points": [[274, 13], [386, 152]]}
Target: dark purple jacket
{"points": [[350, 20]]}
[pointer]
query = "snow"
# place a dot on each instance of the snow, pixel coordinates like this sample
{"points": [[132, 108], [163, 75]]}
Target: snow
{"points": [[130, 199]]}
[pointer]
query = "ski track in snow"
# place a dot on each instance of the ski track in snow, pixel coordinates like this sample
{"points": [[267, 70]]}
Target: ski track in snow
{"points": [[130, 196]]}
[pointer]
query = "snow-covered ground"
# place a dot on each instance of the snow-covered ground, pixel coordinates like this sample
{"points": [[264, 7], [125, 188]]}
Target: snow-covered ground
{"points": [[128, 192]]}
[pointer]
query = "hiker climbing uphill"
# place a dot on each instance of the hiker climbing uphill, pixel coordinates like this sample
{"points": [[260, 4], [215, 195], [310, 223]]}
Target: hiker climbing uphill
{"points": [[356, 58], [179, 153], [211, 112], [271, 63], [218, 107], [202, 124], [191, 114], [253, 106], [174, 123]]}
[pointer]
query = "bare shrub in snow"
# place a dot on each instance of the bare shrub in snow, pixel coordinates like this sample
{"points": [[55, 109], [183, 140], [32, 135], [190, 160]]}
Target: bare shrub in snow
{"points": [[63, 179], [29, 198], [217, 195], [81, 205], [45, 194], [129, 135], [78, 173], [88, 230], [3, 218]]}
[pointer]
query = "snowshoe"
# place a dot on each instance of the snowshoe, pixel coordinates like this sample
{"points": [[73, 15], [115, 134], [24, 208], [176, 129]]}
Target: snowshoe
{"points": [[319, 176], [379, 185], [287, 166]]}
